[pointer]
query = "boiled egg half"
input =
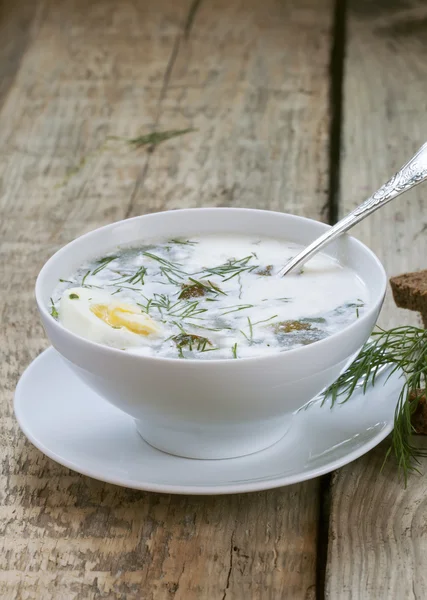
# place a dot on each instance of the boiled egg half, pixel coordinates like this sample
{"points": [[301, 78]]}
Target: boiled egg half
{"points": [[99, 317]]}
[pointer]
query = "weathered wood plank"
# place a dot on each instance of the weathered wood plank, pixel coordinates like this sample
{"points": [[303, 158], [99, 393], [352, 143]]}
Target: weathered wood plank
{"points": [[384, 104], [18, 23], [252, 78], [378, 540]]}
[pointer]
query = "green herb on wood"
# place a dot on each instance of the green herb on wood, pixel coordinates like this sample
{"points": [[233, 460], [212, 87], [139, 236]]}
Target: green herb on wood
{"points": [[150, 141], [82, 163]]}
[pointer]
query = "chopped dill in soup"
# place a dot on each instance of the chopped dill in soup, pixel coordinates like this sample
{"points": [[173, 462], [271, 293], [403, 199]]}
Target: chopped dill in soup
{"points": [[209, 297]]}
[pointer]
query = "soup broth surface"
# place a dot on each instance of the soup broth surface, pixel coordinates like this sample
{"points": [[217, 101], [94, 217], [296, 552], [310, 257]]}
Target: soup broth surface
{"points": [[209, 297]]}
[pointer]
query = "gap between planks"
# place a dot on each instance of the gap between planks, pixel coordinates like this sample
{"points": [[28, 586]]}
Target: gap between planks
{"points": [[336, 79]]}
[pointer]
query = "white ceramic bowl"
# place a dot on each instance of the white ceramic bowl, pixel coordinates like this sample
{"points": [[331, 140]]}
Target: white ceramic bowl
{"points": [[217, 408]]}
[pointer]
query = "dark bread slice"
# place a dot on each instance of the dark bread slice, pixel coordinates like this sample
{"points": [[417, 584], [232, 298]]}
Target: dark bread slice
{"points": [[410, 292]]}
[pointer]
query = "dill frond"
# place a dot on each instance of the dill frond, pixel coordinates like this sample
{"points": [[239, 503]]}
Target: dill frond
{"points": [[402, 348]]}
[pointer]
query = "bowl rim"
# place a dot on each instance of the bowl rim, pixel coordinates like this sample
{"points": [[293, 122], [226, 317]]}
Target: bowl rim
{"points": [[95, 346]]}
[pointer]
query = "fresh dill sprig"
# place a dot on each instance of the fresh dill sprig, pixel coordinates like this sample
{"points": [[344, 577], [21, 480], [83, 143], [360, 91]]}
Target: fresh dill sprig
{"points": [[265, 320], [84, 284], [172, 271], [180, 327], [180, 309], [145, 307], [182, 242], [402, 349], [235, 308], [168, 273], [53, 310], [164, 261], [189, 341], [251, 330], [232, 268], [234, 350], [88, 285], [250, 337], [239, 279], [210, 328], [137, 277], [163, 303], [190, 311], [102, 263]]}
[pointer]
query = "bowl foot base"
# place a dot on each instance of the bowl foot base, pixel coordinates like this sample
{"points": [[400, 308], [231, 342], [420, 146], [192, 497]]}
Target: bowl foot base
{"points": [[213, 442]]}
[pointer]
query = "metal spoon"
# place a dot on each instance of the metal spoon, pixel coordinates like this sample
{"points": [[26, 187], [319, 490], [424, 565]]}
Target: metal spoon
{"points": [[410, 175]]}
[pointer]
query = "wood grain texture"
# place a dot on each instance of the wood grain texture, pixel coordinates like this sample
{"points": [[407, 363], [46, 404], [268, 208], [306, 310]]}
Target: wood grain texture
{"points": [[378, 540], [378, 535], [385, 102], [252, 78]]}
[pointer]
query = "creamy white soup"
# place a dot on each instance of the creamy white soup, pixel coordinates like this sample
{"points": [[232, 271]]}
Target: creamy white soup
{"points": [[209, 297]]}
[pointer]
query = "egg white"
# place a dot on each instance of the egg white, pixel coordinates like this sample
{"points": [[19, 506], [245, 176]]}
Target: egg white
{"points": [[75, 314]]}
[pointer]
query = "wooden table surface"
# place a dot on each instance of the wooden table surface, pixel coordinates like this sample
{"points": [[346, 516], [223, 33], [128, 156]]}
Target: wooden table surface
{"points": [[303, 106]]}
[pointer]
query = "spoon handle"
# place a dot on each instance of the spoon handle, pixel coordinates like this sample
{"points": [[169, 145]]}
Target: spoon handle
{"points": [[410, 175]]}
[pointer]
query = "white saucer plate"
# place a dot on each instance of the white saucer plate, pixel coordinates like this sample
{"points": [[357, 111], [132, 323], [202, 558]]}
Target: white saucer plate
{"points": [[75, 427]]}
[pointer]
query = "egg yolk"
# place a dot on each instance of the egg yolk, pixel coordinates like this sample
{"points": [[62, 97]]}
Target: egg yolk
{"points": [[124, 315]]}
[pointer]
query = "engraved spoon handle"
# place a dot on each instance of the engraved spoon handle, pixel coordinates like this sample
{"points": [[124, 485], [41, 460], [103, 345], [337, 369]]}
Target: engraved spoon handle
{"points": [[410, 175]]}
